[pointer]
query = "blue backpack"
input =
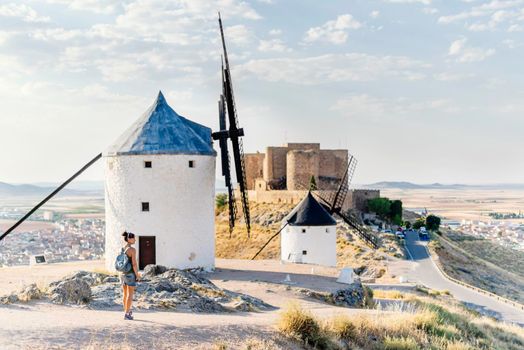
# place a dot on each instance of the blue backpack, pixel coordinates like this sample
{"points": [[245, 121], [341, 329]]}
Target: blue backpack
{"points": [[122, 262]]}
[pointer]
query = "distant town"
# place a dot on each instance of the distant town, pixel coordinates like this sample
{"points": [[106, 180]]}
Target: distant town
{"points": [[66, 239], [505, 233]]}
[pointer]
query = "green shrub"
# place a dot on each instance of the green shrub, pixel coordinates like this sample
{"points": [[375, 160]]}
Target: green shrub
{"points": [[221, 201]]}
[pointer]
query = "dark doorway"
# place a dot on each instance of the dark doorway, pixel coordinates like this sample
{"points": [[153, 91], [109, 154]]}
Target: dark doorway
{"points": [[146, 251]]}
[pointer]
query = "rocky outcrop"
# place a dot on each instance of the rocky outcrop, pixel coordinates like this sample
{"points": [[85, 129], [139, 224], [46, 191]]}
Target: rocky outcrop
{"points": [[75, 289], [160, 288], [355, 295], [30, 292]]}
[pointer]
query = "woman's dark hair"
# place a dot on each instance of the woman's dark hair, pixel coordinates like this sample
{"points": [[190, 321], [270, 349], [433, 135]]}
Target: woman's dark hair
{"points": [[128, 235]]}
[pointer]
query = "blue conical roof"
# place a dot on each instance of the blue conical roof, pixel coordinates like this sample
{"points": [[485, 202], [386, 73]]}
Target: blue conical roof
{"points": [[161, 130]]}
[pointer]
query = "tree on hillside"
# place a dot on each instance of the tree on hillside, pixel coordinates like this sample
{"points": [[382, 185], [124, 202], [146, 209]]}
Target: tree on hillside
{"points": [[312, 183], [432, 222], [395, 210], [408, 224], [380, 206], [221, 201], [397, 220], [419, 223]]}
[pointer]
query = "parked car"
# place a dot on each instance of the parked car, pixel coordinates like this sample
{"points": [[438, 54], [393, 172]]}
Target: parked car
{"points": [[423, 235], [388, 231]]}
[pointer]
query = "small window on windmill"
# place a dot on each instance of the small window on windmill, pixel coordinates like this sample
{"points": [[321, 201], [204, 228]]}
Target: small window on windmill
{"points": [[327, 230], [304, 252], [145, 206], [148, 164], [303, 230], [191, 163]]}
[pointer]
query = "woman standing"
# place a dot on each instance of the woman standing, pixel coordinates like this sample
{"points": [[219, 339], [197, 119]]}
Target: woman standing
{"points": [[130, 278]]}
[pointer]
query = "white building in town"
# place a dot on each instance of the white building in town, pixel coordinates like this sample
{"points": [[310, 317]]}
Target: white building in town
{"points": [[160, 185], [310, 236]]}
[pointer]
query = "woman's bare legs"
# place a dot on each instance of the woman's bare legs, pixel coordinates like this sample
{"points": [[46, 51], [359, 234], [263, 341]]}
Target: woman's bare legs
{"points": [[130, 293], [125, 294], [129, 301]]}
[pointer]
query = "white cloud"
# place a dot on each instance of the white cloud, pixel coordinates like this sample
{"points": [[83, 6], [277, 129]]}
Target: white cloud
{"points": [[374, 14], [424, 2], [515, 28], [275, 45], [334, 68], [239, 34], [430, 10], [489, 15], [446, 76], [466, 54], [511, 44], [22, 11], [367, 106], [96, 6], [275, 32], [335, 31]]}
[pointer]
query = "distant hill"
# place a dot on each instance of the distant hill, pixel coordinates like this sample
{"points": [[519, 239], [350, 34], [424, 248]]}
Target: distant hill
{"points": [[25, 190], [76, 185], [404, 185]]}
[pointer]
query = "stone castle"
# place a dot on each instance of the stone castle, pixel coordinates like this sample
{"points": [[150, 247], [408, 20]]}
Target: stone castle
{"points": [[283, 174]]}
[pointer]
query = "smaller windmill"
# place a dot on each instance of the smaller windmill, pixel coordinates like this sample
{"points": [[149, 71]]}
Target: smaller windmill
{"points": [[333, 202], [226, 104]]}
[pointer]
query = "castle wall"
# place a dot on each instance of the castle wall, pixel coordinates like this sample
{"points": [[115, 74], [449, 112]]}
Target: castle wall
{"points": [[333, 165], [276, 197], [301, 165], [254, 168], [355, 199], [275, 163], [302, 146], [358, 198]]}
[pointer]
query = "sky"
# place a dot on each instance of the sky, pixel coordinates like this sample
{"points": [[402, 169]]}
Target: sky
{"points": [[417, 90]]}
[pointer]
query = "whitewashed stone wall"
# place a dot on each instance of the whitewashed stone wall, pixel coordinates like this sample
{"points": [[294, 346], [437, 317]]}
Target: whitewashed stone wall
{"points": [[320, 243], [181, 200]]}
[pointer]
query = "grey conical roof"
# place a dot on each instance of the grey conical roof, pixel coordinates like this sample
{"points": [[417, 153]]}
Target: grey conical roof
{"points": [[309, 212], [161, 130]]}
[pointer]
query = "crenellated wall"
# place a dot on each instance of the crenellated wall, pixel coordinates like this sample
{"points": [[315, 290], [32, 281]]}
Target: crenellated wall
{"points": [[286, 166]]}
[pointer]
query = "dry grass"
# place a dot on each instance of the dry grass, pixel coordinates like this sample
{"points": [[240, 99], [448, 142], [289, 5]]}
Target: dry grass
{"points": [[389, 294], [431, 292], [426, 324], [301, 325]]}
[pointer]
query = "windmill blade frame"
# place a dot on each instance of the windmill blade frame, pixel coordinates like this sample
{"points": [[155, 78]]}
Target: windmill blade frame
{"points": [[226, 166], [234, 132], [51, 195], [369, 238]]}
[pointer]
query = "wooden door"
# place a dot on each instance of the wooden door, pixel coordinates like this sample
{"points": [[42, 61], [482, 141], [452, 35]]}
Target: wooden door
{"points": [[146, 251]]}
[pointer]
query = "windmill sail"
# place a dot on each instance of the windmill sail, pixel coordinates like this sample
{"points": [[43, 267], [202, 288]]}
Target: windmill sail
{"points": [[234, 133], [51, 195]]}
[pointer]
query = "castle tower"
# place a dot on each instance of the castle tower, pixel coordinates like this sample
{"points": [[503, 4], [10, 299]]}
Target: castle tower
{"points": [[160, 185], [310, 236]]}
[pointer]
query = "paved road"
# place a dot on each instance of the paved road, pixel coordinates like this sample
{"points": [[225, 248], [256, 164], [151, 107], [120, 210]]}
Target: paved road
{"points": [[426, 272]]}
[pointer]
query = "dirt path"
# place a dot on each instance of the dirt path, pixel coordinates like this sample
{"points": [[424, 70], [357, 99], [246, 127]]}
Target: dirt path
{"points": [[40, 325]]}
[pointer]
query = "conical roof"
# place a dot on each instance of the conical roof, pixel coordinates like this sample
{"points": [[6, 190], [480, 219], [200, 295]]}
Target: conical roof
{"points": [[161, 130], [309, 212]]}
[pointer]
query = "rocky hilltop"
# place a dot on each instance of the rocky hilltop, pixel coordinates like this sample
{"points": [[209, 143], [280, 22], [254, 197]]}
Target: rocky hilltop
{"points": [[160, 288]]}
